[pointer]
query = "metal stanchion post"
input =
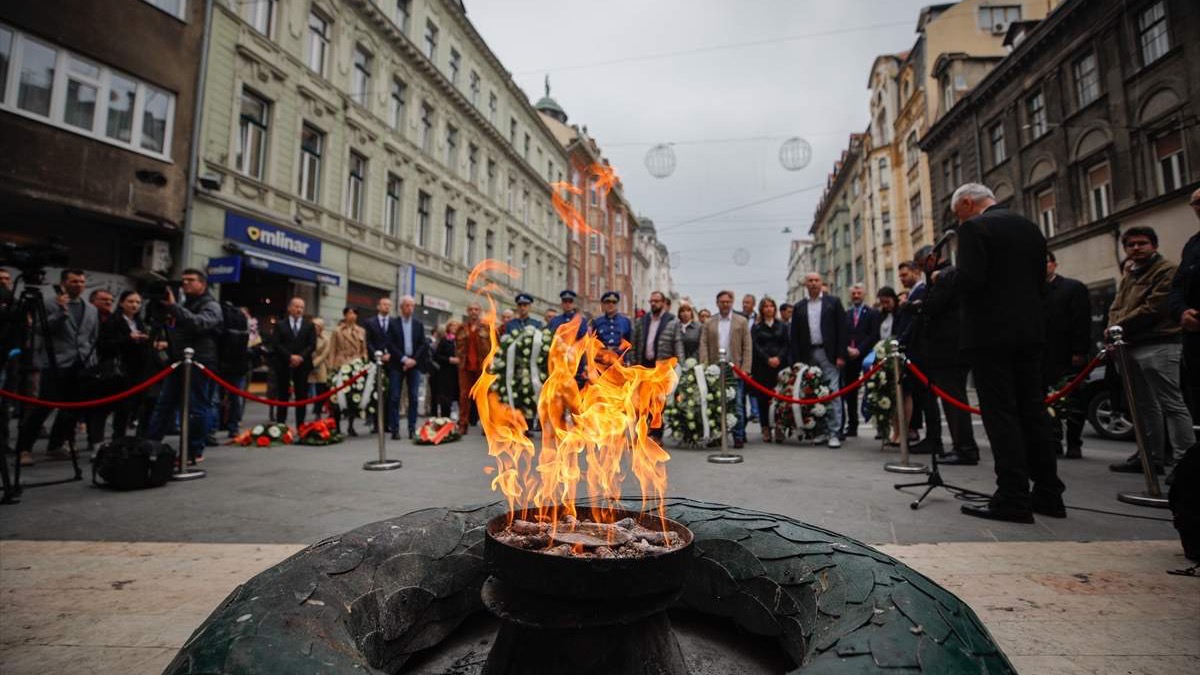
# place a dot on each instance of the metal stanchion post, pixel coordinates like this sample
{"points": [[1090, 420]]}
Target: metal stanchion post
{"points": [[383, 463], [724, 457], [1153, 495], [904, 465], [182, 472]]}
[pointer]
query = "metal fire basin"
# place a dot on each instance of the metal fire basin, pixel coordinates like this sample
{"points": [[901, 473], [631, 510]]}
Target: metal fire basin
{"points": [[584, 616]]}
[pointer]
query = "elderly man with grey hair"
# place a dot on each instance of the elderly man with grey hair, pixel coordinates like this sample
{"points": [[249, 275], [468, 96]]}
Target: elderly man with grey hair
{"points": [[1001, 280]]}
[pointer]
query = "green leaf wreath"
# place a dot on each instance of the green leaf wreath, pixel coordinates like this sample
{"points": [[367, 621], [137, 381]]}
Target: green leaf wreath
{"points": [[801, 381], [360, 398], [692, 404], [879, 398], [520, 371]]}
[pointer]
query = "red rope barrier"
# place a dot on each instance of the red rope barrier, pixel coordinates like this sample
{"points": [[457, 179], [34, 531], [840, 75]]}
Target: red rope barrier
{"points": [[288, 404], [12, 395], [808, 401], [1078, 380], [1051, 398]]}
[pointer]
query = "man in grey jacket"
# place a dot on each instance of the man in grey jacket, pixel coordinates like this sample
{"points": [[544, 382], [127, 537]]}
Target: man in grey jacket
{"points": [[73, 326], [196, 322]]}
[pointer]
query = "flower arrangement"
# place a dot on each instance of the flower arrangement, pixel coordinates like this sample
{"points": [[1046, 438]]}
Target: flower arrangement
{"points": [[520, 368], [437, 430], [265, 435], [320, 432], [693, 410], [805, 382], [361, 397], [879, 397]]}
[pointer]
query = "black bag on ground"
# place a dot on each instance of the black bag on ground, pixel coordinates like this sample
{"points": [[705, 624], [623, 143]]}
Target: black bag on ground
{"points": [[1184, 498], [133, 463]]}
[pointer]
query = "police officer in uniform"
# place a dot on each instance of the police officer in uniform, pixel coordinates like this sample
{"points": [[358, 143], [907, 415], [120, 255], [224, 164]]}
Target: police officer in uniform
{"points": [[522, 319], [613, 327], [569, 312]]}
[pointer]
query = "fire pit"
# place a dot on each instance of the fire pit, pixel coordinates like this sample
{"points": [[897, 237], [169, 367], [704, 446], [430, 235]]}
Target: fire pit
{"points": [[575, 605]]}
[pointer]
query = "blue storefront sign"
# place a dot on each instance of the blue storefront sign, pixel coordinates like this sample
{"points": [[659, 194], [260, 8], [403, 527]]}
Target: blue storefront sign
{"points": [[271, 263], [268, 237], [226, 269]]}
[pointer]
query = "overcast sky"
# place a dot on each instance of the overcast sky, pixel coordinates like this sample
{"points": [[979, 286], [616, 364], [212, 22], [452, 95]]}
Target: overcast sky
{"points": [[814, 87]]}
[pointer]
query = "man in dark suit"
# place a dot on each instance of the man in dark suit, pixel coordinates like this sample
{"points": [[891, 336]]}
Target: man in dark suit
{"points": [[862, 333], [1068, 334], [295, 341], [409, 352], [1001, 276], [819, 338], [378, 330]]}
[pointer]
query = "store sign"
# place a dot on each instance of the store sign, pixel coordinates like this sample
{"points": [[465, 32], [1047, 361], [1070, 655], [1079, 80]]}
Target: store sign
{"points": [[275, 239], [227, 269], [435, 302]]}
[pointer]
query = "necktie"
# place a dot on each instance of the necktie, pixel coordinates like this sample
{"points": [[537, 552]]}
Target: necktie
{"points": [[383, 323], [296, 326]]}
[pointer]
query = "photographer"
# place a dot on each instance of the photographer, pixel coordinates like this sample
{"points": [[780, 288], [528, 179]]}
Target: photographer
{"points": [[73, 326], [195, 323]]}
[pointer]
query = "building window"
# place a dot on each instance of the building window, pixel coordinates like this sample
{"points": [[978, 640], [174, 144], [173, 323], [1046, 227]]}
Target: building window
{"points": [[948, 177], [312, 143], [396, 104], [958, 178], [402, 15], [916, 221], [857, 227], [491, 178], [455, 65], [855, 187], [252, 136], [391, 205], [947, 94], [448, 239], [431, 39], [176, 8], [995, 19], [1168, 157], [526, 152], [474, 87], [1152, 33], [260, 14], [911, 151], [525, 207], [423, 209], [356, 186], [1035, 108], [996, 140], [489, 245], [512, 194], [362, 76], [469, 254], [885, 221], [511, 257], [427, 128], [1099, 181], [1045, 211], [1087, 80], [512, 132], [472, 163], [493, 107], [452, 147], [884, 174], [593, 243], [318, 42]]}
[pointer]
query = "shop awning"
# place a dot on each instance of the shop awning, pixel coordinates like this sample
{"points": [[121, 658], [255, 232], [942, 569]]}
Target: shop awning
{"points": [[296, 269]]}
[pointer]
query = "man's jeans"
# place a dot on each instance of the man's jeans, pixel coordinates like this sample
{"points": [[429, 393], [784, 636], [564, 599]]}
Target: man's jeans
{"points": [[833, 419], [170, 398], [399, 378], [1160, 401], [739, 428]]}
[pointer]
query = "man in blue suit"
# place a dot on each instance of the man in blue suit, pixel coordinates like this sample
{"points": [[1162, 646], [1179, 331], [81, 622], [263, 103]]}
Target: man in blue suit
{"points": [[522, 319], [613, 327], [569, 312], [409, 350], [862, 331], [819, 339]]}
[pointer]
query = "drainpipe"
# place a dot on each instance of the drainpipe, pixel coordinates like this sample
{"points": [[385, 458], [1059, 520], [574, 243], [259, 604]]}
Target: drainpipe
{"points": [[978, 148], [194, 152]]}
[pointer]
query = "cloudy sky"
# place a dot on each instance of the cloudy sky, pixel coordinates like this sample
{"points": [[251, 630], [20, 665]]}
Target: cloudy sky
{"points": [[617, 67]]}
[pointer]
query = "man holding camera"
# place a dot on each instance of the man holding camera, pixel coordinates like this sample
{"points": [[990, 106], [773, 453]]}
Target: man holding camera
{"points": [[195, 322]]}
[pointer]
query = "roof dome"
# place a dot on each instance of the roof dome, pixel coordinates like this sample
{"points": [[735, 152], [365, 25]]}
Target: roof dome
{"points": [[550, 106]]}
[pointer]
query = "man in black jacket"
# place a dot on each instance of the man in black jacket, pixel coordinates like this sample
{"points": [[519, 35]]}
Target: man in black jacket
{"points": [[819, 339], [1001, 275], [194, 323], [1184, 305], [862, 333], [294, 341], [1068, 332]]}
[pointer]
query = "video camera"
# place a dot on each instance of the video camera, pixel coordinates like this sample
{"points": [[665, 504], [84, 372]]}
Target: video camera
{"points": [[32, 259]]}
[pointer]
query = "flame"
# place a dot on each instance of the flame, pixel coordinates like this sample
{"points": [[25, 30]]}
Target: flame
{"points": [[605, 176], [566, 210]]}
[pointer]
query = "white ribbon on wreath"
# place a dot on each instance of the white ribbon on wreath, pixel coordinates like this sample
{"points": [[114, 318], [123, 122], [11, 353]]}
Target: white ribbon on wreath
{"points": [[510, 358], [368, 389], [797, 387], [702, 384], [534, 373]]}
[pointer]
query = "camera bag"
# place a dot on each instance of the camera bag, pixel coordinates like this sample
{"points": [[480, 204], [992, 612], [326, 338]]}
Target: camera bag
{"points": [[132, 463]]}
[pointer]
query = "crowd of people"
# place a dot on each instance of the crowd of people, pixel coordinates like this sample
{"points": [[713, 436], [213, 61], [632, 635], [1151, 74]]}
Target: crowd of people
{"points": [[1003, 315]]}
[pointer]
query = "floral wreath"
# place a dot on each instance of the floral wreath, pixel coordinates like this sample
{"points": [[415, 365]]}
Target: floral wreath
{"points": [[361, 397], [437, 430], [265, 435], [879, 397], [693, 410], [320, 432], [520, 367], [801, 381]]}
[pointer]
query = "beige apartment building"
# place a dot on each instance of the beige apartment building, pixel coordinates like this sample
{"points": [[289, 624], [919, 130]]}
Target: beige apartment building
{"points": [[353, 149]]}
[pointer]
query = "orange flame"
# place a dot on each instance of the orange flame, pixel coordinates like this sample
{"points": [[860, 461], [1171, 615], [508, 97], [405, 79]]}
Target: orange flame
{"points": [[606, 177], [566, 210]]}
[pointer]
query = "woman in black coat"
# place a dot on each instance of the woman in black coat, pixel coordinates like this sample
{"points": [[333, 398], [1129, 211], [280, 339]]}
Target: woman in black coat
{"points": [[770, 337], [444, 378], [123, 338]]}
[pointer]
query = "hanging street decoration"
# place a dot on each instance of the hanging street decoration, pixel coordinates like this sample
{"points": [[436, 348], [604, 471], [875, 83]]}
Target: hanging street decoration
{"points": [[660, 160], [795, 153]]}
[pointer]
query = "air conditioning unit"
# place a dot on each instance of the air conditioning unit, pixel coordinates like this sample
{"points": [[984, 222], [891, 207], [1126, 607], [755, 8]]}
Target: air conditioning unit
{"points": [[1000, 28], [156, 256]]}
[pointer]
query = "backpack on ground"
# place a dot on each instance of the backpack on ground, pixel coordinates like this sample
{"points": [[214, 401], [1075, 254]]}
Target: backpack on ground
{"points": [[133, 463], [233, 342]]}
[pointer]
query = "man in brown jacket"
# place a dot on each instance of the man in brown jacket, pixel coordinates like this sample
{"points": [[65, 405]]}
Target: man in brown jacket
{"points": [[471, 346], [730, 331], [1155, 348]]}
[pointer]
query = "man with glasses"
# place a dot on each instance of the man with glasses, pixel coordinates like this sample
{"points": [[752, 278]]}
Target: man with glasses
{"points": [[195, 322], [1155, 349]]}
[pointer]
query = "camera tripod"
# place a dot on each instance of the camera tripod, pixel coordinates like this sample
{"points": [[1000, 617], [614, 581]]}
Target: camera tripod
{"points": [[29, 316], [933, 480]]}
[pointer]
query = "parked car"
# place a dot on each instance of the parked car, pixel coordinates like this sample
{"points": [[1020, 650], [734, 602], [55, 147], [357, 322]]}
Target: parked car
{"points": [[1097, 402]]}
